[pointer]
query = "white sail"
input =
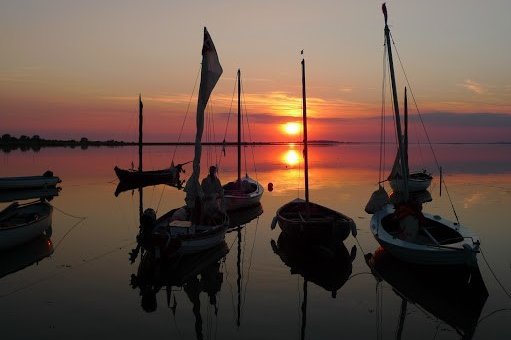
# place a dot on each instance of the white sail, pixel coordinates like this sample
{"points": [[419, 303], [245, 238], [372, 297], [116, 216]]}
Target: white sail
{"points": [[210, 73]]}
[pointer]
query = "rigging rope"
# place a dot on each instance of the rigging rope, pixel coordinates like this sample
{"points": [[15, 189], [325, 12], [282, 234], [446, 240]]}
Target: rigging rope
{"points": [[424, 128], [382, 123], [494, 275], [249, 135], [186, 114]]}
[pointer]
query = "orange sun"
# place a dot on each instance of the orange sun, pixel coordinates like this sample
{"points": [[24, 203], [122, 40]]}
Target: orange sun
{"points": [[292, 128]]}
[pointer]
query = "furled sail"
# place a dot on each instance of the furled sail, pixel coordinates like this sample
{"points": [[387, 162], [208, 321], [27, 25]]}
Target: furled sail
{"points": [[211, 71]]}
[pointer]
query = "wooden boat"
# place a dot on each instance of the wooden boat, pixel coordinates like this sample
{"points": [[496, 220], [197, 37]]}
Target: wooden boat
{"points": [[436, 241], [171, 237], [150, 177], [26, 194], [138, 177], [243, 192], [454, 294], [25, 255], [141, 179], [20, 223], [308, 220], [29, 182], [321, 223], [404, 230], [198, 225]]}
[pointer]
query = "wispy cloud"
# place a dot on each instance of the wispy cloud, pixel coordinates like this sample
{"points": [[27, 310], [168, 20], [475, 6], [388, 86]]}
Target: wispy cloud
{"points": [[475, 87]]}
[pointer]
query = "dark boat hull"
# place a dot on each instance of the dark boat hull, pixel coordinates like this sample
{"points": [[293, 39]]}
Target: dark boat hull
{"points": [[320, 224]]}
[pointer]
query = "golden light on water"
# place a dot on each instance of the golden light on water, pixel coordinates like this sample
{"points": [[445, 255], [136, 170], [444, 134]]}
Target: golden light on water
{"points": [[291, 157]]}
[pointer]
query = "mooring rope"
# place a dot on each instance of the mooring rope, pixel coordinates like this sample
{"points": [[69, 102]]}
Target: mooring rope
{"points": [[494, 275]]}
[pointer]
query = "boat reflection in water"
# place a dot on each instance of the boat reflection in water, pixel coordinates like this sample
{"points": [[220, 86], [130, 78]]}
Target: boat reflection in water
{"points": [[25, 255], [239, 218], [327, 266], [195, 274], [454, 294]]}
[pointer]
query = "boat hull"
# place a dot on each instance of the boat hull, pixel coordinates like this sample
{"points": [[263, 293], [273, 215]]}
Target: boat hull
{"points": [[417, 181], [173, 237], [28, 182], [321, 225], [237, 199], [461, 252], [24, 224]]}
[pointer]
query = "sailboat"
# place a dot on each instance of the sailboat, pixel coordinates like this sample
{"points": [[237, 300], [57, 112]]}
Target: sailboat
{"points": [[189, 229], [403, 229], [306, 219], [454, 295], [418, 181], [131, 178], [23, 222], [243, 192]]}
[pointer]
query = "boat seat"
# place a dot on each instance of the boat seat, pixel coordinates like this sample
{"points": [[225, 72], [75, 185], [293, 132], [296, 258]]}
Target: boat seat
{"points": [[180, 224]]}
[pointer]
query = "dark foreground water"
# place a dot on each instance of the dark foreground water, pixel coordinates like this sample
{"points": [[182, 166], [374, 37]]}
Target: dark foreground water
{"points": [[259, 285]]}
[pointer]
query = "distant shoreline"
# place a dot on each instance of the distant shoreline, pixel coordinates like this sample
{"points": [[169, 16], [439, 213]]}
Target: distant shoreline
{"points": [[35, 143]]}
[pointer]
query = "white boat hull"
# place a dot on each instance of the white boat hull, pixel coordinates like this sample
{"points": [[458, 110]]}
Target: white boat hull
{"points": [[13, 234], [461, 252], [237, 200], [414, 184], [198, 245], [173, 237]]}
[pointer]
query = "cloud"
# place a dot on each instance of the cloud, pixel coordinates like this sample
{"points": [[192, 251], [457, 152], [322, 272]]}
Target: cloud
{"points": [[484, 119], [475, 87]]}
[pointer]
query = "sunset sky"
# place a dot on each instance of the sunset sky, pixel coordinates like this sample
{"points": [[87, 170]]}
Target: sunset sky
{"points": [[75, 68]]}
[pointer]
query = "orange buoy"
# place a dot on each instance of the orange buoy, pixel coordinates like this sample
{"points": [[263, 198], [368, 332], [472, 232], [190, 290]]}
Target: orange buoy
{"points": [[270, 187]]}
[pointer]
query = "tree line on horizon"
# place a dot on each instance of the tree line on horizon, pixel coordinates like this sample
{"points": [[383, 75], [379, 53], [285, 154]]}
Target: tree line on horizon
{"points": [[35, 143]]}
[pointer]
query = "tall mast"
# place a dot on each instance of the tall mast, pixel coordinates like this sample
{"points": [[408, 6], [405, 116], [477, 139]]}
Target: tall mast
{"points": [[239, 128], [396, 106], [406, 135], [305, 155], [140, 107]]}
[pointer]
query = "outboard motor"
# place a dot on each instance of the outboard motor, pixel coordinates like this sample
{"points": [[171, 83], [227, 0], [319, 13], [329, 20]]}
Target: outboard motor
{"points": [[148, 220], [48, 173]]}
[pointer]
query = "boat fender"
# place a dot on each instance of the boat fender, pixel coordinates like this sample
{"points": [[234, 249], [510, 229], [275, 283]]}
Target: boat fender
{"points": [[471, 258], [274, 223]]}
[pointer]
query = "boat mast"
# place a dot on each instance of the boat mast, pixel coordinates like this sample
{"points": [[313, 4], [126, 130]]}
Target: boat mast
{"points": [[239, 128], [406, 135], [305, 154], [140, 107], [396, 106]]}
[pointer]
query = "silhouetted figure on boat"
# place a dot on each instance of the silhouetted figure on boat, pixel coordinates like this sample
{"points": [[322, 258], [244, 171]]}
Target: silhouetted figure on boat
{"points": [[213, 196]]}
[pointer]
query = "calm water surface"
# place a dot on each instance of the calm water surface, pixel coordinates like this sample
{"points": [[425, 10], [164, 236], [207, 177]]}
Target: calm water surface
{"points": [[259, 286]]}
